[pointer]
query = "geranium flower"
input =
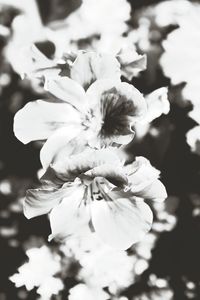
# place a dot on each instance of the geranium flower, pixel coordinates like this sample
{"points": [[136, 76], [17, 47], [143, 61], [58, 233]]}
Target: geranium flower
{"points": [[93, 190], [101, 114]]}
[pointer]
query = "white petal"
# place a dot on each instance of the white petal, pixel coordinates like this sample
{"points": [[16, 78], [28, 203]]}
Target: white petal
{"points": [[69, 167], [71, 216], [143, 179], [157, 104], [37, 120], [56, 142], [41, 201], [67, 90], [121, 222], [112, 172], [90, 66]]}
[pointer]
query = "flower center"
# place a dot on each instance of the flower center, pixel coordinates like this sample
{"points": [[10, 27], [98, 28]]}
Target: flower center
{"points": [[117, 112]]}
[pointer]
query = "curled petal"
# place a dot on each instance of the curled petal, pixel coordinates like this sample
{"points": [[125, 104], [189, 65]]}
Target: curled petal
{"points": [[155, 191], [72, 166], [67, 90], [157, 104], [37, 120], [112, 172], [71, 216], [41, 201], [143, 180], [121, 222], [90, 66]]}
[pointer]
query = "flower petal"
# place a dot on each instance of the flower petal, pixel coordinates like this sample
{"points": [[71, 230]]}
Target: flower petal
{"points": [[131, 62], [37, 120], [71, 216], [58, 141], [143, 179], [72, 166], [90, 66], [41, 201], [157, 104], [121, 222], [67, 90], [155, 191], [112, 172]]}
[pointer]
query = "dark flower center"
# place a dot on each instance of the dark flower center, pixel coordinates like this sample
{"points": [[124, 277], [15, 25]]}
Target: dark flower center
{"points": [[116, 111]]}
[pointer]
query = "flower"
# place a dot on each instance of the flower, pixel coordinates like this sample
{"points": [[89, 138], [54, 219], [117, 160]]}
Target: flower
{"points": [[86, 21], [83, 291], [180, 60], [101, 115], [39, 270], [93, 190]]}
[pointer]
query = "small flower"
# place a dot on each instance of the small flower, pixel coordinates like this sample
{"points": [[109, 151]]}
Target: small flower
{"points": [[93, 190]]}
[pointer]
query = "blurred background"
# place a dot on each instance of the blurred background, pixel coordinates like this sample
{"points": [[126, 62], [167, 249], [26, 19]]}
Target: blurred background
{"points": [[166, 264]]}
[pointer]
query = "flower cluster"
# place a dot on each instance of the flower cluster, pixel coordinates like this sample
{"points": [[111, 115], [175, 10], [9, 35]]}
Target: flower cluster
{"points": [[87, 185]]}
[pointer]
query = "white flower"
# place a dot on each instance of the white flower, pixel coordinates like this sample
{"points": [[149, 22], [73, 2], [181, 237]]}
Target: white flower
{"points": [[87, 20], [51, 286], [40, 268], [82, 291], [93, 190], [193, 139], [170, 12], [101, 115], [106, 261], [180, 61]]}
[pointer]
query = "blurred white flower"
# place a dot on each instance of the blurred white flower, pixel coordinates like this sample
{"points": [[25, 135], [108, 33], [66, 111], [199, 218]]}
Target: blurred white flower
{"points": [[51, 286], [180, 60], [39, 270], [106, 261], [143, 249], [86, 21], [171, 12], [193, 139], [82, 291], [93, 190]]}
